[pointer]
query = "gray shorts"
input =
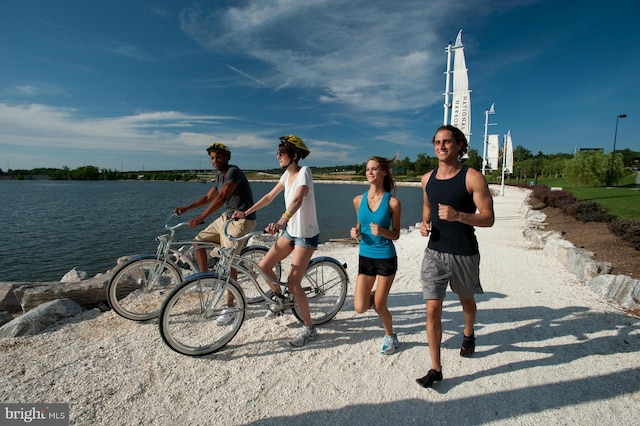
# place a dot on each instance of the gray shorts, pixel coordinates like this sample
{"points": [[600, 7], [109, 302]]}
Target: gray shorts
{"points": [[442, 269]]}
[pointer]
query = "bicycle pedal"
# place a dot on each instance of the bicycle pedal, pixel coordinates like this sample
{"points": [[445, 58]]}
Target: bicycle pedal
{"points": [[276, 309], [271, 314]]}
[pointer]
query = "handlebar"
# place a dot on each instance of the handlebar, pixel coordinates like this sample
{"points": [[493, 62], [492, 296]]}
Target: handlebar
{"points": [[243, 237], [169, 227], [176, 226]]}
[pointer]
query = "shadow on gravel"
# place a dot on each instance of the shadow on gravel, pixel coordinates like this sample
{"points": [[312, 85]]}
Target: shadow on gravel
{"points": [[478, 409]]}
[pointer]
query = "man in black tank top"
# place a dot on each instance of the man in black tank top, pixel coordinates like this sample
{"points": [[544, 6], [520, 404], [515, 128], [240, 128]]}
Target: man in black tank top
{"points": [[456, 199]]}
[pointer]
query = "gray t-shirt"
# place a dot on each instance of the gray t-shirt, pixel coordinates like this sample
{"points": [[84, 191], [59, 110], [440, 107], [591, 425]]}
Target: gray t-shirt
{"points": [[242, 198]]}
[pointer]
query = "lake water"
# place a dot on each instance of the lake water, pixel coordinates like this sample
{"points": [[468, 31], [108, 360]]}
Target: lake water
{"points": [[49, 227]]}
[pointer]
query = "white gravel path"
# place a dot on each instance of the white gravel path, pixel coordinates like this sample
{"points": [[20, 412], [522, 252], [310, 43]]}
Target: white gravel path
{"points": [[549, 351]]}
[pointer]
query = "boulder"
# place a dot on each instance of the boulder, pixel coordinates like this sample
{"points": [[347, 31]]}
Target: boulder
{"points": [[579, 261], [40, 318], [73, 276], [8, 300], [88, 293], [5, 318], [620, 289]]}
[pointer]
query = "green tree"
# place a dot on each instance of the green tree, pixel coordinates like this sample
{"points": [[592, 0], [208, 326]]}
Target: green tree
{"points": [[555, 166], [424, 163], [474, 160], [615, 171], [405, 165], [521, 153], [86, 173], [591, 168], [628, 156]]}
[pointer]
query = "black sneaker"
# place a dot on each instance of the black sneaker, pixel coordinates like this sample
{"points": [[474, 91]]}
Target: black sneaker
{"points": [[468, 345], [431, 377]]}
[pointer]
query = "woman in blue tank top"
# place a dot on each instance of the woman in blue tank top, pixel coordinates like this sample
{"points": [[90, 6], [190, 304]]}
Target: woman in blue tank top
{"points": [[378, 224]]}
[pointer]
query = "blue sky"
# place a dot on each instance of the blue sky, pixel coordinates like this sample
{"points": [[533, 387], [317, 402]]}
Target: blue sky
{"points": [[147, 85]]}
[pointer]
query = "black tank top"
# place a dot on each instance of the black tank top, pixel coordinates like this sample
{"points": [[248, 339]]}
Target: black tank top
{"points": [[451, 237]]}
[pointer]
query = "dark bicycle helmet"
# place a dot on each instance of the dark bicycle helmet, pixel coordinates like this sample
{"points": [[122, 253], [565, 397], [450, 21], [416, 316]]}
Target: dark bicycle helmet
{"points": [[218, 147], [296, 144]]}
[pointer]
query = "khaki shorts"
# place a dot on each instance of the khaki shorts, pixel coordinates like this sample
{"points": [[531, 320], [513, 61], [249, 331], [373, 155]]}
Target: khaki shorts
{"points": [[442, 269], [215, 231]]}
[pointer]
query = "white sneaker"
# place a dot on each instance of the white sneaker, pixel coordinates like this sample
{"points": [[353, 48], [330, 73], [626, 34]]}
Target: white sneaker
{"points": [[389, 344], [305, 335], [226, 316], [271, 314]]}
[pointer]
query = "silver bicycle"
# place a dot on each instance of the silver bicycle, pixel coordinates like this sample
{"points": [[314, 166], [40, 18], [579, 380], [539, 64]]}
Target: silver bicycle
{"points": [[187, 320], [139, 286]]}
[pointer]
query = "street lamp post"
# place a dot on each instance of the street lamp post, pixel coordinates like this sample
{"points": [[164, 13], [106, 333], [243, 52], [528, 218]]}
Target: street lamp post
{"points": [[613, 153]]}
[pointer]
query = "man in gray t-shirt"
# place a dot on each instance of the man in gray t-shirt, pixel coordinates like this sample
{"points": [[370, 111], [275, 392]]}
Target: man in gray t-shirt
{"points": [[231, 190], [242, 197]]}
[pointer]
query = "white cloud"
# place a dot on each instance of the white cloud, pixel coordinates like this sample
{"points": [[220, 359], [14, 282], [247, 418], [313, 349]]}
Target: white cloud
{"points": [[368, 55], [42, 125]]}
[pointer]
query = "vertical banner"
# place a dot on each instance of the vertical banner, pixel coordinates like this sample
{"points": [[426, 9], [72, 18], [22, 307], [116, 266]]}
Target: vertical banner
{"points": [[461, 99]]}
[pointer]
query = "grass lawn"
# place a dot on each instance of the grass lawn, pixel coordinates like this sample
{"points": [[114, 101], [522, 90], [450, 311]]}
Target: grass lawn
{"points": [[622, 200]]}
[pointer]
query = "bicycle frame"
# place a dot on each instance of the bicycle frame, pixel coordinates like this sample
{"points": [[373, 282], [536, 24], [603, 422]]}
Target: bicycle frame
{"points": [[188, 321], [230, 258], [147, 277], [168, 250]]}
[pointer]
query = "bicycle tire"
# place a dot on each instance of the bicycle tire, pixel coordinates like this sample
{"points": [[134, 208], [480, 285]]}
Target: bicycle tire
{"points": [[136, 292], [325, 284], [187, 320], [248, 284]]}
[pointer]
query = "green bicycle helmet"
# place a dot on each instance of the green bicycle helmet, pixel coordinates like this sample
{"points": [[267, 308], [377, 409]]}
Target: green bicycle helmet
{"points": [[296, 144], [218, 147]]}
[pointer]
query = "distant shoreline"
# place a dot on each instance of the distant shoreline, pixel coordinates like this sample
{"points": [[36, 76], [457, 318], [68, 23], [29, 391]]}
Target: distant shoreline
{"points": [[275, 179], [341, 182]]}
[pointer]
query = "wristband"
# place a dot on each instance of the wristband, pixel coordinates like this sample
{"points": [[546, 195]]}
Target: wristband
{"points": [[287, 214]]}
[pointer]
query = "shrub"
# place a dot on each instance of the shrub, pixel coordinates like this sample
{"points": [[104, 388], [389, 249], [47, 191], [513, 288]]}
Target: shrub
{"points": [[584, 211], [558, 199], [591, 211], [541, 192], [561, 199], [628, 229]]}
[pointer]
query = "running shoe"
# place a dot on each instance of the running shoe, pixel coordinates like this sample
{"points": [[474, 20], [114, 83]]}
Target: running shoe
{"points": [[431, 377], [304, 336], [468, 345], [226, 316], [389, 344]]}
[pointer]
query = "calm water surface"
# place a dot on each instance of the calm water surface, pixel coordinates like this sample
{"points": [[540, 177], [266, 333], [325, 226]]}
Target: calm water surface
{"points": [[49, 227]]}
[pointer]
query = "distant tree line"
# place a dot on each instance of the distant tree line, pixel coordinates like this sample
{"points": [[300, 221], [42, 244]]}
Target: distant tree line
{"points": [[585, 168], [95, 173]]}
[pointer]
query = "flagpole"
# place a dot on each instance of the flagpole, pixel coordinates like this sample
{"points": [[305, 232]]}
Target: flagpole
{"points": [[486, 130], [447, 87], [504, 163]]}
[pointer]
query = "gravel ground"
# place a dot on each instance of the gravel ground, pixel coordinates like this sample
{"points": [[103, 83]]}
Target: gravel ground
{"points": [[548, 351]]}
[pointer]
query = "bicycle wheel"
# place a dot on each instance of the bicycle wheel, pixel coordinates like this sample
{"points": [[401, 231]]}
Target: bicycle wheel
{"points": [[138, 288], [325, 284], [255, 253], [187, 320]]}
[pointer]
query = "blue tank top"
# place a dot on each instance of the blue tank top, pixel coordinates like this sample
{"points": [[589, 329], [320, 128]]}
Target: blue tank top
{"points": [[451, 237], [375, 247]]}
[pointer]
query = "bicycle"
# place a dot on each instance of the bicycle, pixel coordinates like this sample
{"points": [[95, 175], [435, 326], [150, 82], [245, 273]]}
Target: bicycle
{"points": [[138, 287], [187, 318]]}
